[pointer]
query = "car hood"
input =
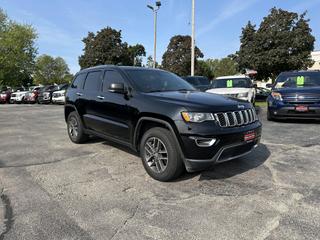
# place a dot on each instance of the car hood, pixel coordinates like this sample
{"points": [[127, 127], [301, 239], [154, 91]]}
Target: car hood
{"points": [[228, 90], [201, 101], [21, 92], [60, 91], [298, 90]]}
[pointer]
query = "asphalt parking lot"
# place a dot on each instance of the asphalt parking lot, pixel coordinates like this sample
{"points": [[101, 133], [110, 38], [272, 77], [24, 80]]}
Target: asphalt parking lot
{"points": [[53, 189]]}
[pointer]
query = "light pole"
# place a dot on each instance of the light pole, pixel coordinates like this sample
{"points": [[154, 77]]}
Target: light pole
{"points": [[192, 41], [155, 13]]}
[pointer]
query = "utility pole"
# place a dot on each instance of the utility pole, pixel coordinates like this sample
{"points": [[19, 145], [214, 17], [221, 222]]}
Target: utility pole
{"points": [[192, 41], [155, 16]]}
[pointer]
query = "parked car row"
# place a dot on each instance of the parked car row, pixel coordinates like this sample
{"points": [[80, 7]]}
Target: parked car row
{"points": [[238, 86], [34, 94]]}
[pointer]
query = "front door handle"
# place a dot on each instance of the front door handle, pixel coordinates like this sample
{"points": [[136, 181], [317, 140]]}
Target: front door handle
{"points": [[100, 97], [79, 94]]}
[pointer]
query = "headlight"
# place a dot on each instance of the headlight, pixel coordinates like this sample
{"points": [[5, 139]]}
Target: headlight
{"points": [[197, 117], [63, 94], [276, 96], [243, 95]]}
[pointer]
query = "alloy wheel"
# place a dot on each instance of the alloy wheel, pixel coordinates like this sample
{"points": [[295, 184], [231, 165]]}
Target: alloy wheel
{"points": [[73, 127], [156, 154]]}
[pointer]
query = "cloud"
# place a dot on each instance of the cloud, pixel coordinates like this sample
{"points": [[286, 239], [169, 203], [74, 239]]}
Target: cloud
{"points": [[232, 9]]}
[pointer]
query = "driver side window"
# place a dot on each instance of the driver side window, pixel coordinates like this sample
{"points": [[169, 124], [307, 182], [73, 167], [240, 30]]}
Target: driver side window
{"points": [[111, 76]]}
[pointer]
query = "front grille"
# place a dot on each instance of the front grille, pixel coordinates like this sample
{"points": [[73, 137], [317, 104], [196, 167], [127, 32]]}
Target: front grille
{"points": [[231, 95], [57, 94], [301, 98], [13, 95], [236, 118]]}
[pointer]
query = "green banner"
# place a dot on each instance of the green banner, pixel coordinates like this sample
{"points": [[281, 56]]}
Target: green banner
{"points": [[229, 84]]}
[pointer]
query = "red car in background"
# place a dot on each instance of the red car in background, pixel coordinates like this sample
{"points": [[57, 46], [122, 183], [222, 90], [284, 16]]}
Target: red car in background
{"points": [[32, 96], [5, 95]]}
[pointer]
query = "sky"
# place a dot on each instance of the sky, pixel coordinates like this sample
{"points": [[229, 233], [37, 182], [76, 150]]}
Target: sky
{"points": [[62, 24]]}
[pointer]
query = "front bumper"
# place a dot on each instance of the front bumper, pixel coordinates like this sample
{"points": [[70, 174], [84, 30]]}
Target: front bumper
{"points": [[42, 99], [280, 110], [224, 154], [61, 99], [16, 99], [230, 144]]}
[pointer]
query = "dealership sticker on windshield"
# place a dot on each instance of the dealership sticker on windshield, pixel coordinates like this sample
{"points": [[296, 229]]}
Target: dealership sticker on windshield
{"points": [[229, 83], [300, 80]]}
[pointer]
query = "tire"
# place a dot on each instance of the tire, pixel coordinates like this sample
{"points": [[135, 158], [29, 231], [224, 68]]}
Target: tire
{"points": [[75, 128], [161, 140], [269, 117]]}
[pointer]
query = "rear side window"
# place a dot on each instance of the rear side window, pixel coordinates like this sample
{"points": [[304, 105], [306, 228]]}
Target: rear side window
{"points": [[93, 81], [111, 76], [79, 81]]}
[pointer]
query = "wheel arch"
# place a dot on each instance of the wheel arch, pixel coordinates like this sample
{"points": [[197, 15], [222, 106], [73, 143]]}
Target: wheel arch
{"points": [[146, 122]]}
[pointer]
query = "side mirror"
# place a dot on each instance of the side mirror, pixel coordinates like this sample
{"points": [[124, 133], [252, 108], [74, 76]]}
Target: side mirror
{"points": [[117, 88], [255, 85]]}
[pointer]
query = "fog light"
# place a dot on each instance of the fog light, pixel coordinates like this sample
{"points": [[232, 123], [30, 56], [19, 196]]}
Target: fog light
{"points": [[204, 142]]}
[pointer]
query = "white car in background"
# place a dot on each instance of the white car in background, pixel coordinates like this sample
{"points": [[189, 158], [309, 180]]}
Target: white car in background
{"points": [[18, 96], [59, 97], [238, 86]]}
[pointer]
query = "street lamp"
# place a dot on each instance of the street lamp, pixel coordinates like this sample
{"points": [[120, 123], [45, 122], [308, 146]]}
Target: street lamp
{"points": [[155, 11], [192, 41]]}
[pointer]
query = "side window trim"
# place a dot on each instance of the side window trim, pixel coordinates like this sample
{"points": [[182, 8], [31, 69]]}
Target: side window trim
{"points": [[75, 77]]}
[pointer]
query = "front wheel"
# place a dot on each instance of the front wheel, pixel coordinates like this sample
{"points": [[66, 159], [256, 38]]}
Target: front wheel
{"points": [[76, 129], [269, 117], [159, 155]]}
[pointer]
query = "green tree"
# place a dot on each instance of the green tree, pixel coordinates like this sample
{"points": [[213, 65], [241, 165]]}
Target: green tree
{"points": [[204, 69], [50, 70], [282, 42], [106, 47], [177, 58], [222, 67], [150, 62], [136, 53], [17, 52]]}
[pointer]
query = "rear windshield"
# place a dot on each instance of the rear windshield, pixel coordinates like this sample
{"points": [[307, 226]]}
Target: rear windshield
{"points": [[298, 80], [232, 83]]}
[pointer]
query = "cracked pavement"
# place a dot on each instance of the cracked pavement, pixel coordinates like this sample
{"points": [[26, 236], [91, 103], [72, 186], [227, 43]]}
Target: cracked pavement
{"points": [[55, 189]]}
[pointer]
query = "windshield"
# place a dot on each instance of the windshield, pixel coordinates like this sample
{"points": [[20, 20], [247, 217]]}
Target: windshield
{"points": [[232, 83], [298, 80], [158, 81], [63, 86], [197, 81]]}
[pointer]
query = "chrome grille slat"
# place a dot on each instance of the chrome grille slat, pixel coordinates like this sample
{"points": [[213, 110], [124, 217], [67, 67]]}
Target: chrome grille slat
{"points": [[236, 118]]}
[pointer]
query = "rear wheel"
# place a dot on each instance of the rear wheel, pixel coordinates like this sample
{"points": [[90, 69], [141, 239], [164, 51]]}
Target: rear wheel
{"points": [[159, 156], [75, 128]]}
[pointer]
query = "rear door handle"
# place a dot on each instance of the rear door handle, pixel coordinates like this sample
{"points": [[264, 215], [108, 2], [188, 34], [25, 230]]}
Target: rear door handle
{"points": [[79, 94], [100, 97]]}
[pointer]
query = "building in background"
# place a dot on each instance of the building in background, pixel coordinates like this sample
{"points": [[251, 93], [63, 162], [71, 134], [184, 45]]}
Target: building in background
{"points": [[316, 58]]}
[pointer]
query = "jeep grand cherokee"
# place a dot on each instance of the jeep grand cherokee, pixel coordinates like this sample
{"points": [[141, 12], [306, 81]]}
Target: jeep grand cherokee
{"points": [[161, 116]]}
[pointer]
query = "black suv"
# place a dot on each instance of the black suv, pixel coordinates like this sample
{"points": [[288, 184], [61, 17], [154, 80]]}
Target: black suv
{"points": [[161, 116]]}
